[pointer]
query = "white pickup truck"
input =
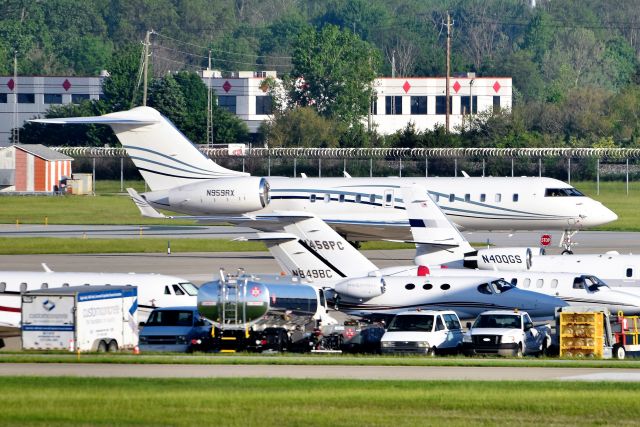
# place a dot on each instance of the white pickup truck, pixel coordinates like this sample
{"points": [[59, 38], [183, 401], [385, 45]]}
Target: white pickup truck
{"points": [[506, 333], [423, 332]]}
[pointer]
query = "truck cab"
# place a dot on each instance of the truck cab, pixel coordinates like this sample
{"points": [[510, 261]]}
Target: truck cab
{"points": [[506, 333], [178, 329], [426, 332]]}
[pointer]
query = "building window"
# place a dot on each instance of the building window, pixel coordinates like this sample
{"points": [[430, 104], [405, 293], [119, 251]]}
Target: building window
{"points": [[77, 98], [418, 105], [227, 102], [52, 98], [3, 98], [264, 105], [441, 105], [466, 107], [26, 98], [496, 104], [393, 105], [374, 107]]}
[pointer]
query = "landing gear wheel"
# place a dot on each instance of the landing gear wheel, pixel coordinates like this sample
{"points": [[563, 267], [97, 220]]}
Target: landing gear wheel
{"points": [[619, 352], [102, 347], [113, 346], [567, 252]]}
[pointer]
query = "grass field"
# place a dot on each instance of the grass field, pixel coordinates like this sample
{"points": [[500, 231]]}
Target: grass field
{"points": [[311, 359], [287, 402]]}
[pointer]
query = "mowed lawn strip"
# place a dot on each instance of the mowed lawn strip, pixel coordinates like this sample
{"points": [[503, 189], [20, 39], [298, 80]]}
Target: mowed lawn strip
{"points": [[109, 207], [292, 402], [55, 245]]}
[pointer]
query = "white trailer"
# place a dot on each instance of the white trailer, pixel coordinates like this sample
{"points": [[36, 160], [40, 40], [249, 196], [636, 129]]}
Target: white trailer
{"points": [[80, 318]]}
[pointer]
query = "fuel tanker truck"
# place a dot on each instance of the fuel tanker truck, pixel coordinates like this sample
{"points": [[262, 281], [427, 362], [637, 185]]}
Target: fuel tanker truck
{"points": [[252, 313]]}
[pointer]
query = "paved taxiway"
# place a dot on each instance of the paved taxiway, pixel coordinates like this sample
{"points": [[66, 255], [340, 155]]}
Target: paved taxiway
{"points": [[422, 373], [587, 241]]}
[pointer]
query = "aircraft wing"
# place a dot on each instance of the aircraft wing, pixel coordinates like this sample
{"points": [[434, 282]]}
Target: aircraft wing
{"points": [[425, 242], [269, 238], [145, 208], [107, 119]]}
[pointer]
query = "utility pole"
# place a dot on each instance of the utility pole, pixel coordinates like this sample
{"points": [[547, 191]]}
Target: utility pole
{"points": [[146, 67], [16, 127], [448, 101], [209, 105], [393, 63]]}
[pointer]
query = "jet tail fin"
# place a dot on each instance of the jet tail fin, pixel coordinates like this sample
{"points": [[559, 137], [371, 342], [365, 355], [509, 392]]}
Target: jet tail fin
{"points": [[145, 208], [438, 241], [163, 155]]}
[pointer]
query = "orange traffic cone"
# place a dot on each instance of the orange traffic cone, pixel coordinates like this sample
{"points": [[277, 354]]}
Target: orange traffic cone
{"points": [[136, 350]]}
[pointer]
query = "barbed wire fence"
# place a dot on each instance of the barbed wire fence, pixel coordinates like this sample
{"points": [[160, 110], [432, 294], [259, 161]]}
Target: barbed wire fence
{"points": [[561, 163]]}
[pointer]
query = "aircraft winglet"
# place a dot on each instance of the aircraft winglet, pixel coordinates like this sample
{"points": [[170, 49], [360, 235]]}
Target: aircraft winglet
{"points": [[46, 268], [145, 208]]}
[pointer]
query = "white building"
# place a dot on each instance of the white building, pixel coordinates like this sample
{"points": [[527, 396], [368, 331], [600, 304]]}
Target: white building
{"points": [[24, 98], [420, 100], [398, 101]]}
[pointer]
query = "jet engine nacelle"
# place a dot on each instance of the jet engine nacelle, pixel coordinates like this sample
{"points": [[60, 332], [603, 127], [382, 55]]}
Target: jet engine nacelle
{"points": [[511, 259], [221, 196], [361, 287]]}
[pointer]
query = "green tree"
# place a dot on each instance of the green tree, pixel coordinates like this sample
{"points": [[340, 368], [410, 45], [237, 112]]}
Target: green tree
{"points": [[194, 92], [121, 88], [334, 72], [165, 95], [300, 127]]}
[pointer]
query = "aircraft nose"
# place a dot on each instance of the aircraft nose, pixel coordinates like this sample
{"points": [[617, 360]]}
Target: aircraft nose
{"points": [[598, 214], [546, 305]]}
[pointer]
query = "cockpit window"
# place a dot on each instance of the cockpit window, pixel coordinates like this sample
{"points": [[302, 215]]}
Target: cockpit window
{"points": [[562, 192], [594, 284], [189, 288], [177, 290], [495, 287]]}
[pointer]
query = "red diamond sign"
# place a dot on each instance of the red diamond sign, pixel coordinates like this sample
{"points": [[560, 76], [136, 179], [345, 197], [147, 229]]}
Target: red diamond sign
{"points": [[456, 86], [226, 86], [496, 86], [66, 84], [11, 84], [406, 86]]}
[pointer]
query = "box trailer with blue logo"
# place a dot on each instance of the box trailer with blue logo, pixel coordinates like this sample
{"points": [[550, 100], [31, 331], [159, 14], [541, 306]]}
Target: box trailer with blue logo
{"points": [[80, 318]]}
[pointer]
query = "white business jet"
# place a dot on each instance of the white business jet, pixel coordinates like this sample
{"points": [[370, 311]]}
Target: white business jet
{"points": [[311, 250], [183, 180], [154, 290]]}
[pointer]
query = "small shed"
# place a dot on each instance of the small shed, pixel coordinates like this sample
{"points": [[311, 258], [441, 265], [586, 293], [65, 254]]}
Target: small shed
{"points": [[32, 168]]}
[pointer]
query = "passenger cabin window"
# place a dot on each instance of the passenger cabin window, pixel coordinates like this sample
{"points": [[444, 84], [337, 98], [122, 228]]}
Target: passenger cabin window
{"points": [[483, 198], [467, 197], [445, 286], [3, 286], [484, 289], [427, 286], [23, 287], [526, 283], [372, 198], [439, 324], [167, 291], [435, 197], [515, 197], [388, 198], [554, 283], [65, 285], [498, 197], [452, 197], [409, 286], [327, 198], [44, 286], [312, 198], [539, 283], [629, 272], [562, 192], [578, 283], [341, 198], [514, 281], [358, 198]]}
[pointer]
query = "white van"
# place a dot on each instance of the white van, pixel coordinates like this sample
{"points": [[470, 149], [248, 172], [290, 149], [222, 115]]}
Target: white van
{"points": [[423, 332]]}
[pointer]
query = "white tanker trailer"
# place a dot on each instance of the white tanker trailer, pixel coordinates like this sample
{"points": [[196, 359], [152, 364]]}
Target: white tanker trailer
{"points": [[263, 313]]}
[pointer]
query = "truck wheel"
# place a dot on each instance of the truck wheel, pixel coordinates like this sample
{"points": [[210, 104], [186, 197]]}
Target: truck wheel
{"points": [[113, 346], [619, 352], [543, 349], [102, 347], [519, 353]]}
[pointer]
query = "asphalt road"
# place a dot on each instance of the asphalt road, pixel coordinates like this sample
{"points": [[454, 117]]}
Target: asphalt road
{"points": [[418, 373]]}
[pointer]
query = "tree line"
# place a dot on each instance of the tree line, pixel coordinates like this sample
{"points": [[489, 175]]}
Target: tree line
{"points": [[575, 65]]}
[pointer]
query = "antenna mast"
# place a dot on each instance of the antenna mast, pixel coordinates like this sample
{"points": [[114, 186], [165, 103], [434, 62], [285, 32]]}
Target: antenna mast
{"points": [[209, 105]]}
